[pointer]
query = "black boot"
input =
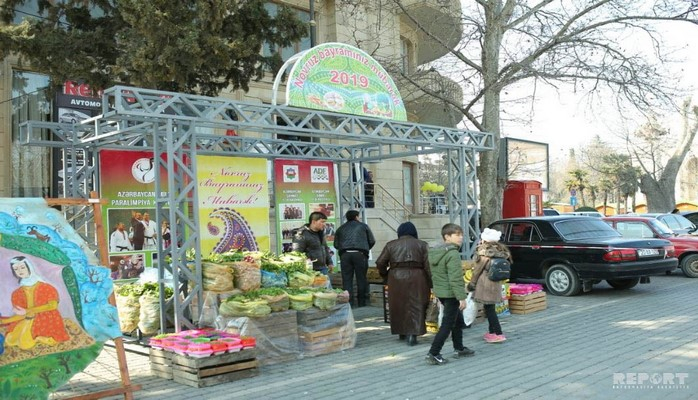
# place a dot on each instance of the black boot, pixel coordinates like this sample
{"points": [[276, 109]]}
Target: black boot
{"points": [[401, 337], [411, 340]]}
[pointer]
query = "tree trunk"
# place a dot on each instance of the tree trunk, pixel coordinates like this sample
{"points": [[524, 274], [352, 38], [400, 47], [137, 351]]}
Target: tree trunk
{"points": [[491, 185], [659, 193]]}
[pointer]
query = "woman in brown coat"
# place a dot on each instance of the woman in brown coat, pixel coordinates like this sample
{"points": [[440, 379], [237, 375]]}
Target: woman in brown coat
{"points": [[486, 291], [405, 264]]}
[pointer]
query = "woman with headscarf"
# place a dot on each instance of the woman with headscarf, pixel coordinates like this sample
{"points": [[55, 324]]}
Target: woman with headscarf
{"points": [[35, 304], [404, 263]]}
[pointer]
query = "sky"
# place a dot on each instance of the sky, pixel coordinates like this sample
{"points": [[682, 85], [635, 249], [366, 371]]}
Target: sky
{"points": [[565, 121]]}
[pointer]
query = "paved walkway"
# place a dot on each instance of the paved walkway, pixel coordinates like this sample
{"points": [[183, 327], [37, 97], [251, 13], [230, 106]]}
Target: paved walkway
{"points": [[606, 344]]}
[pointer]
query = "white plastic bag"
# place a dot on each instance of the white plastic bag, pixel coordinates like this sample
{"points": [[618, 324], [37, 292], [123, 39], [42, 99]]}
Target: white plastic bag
{"points": [[470, 311]]}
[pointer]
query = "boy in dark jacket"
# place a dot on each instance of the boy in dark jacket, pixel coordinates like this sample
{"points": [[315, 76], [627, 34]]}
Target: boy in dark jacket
{"points": [[449, 287]]}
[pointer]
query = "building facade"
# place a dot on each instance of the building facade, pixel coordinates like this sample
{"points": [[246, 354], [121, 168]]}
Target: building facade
{"points": [[391, 33]]}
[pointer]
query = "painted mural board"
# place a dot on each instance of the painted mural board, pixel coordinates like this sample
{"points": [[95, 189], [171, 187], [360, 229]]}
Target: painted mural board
{"points": [[342, 78], [233, 197], [54, 301]]}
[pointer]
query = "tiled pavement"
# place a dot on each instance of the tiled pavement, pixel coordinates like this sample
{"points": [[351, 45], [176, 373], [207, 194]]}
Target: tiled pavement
{"points": [[572, 350]]}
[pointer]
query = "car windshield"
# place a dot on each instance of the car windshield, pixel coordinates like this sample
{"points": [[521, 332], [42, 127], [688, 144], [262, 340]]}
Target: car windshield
{"points": [[661, 227], [585, 228]]}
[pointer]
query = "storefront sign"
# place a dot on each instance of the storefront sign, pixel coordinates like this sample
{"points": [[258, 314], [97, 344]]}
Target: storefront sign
{"points": [[341, 78]]}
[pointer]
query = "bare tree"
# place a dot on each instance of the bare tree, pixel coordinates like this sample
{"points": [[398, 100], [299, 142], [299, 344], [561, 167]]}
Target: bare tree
{"points": [[580, 43], [660, 158]]}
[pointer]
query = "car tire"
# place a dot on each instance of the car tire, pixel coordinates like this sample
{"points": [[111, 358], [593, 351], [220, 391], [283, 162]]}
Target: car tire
{"points": [[689, 266], [562, 280], [623, 284]]}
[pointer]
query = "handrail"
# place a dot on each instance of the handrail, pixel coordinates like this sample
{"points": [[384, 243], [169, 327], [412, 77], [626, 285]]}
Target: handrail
{"points": [[390, 204]]}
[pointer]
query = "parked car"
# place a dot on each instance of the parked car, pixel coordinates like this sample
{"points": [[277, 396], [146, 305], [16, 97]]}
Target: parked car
{"points": [[685, 246], [550, 211], [691, 216], [676, 222], [572, 253]]}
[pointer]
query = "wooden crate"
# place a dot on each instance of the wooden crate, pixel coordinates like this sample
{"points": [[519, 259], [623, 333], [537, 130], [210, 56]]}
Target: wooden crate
{"points": [[326, 341], [214, 370], [277, 336], [527, 304], [161, 363], [326, 331]]}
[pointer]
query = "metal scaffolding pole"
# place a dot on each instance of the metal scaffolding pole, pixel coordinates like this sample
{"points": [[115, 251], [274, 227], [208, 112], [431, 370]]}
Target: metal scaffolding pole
{"points": [[170, 125]]}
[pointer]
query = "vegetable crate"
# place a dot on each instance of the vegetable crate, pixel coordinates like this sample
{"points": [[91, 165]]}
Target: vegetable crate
{"points": [[214, 370], [277, 336], [528, 303], [161, 363], [324, 332]]}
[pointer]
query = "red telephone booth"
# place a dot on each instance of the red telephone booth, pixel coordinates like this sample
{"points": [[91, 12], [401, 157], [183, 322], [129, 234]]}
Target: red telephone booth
{"points": [[522, 199]]}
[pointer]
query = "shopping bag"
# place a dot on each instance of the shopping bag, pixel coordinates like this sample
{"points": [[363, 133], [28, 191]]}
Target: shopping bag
{"points": [[433, 311], [470, 310]]}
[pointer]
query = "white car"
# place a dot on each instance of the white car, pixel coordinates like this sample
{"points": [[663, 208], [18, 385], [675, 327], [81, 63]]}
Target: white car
{"points": [[72, 117]]}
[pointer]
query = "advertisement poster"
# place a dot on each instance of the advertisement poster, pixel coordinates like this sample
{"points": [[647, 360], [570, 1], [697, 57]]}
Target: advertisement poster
{"points": [[233, 204], [75, 103], [303, 187], [128, 184], [342, 78]]}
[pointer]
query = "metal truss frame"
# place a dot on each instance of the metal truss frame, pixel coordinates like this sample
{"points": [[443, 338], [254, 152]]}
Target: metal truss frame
{"points": [[179, 127]]}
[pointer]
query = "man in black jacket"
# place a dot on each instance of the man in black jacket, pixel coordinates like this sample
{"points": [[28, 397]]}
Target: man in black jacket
{"points": [[310, 239], [353, 241]]}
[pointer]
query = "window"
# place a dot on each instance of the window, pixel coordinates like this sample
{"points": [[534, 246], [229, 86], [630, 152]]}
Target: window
{"points": [[583, 228], [524, 232], [406, 51], [287, 52], [31, 165], [634, 230]]}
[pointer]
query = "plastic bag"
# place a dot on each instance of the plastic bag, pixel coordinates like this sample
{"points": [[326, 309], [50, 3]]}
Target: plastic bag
{"points": [[247, 276], [129, 310], [217, 277], [470, 311], [149, 316], [325, 300], [240, 307], [433, 311], [274, 279]]}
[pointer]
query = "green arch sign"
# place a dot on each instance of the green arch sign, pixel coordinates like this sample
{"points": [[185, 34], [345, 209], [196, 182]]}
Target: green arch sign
{"points": [[342, 78]]}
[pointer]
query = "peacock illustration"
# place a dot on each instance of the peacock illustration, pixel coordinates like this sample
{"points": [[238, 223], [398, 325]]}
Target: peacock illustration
{"points": [[237, 233]]}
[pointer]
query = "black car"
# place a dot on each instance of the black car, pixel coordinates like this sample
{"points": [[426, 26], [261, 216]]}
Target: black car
{"points": [[571, 253]]}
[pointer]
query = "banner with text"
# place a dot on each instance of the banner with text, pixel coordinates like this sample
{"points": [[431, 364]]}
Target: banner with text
{"points": [[233, 204], [128, 184], [301, 188]]}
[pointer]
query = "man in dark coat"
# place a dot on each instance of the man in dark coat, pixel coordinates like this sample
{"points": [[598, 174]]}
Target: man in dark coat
{"points": [[310, 239], [405, 263], [138, 230], [353, 241]]}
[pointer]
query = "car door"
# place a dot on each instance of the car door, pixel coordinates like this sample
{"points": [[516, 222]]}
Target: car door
{"points": [[524, 241]]}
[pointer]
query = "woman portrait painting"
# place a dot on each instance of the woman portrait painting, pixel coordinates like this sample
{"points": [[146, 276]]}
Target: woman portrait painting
{"points": [[36, 318]]}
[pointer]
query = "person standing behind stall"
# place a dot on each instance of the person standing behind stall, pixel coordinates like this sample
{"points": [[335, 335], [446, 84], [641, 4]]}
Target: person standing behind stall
{"points": [[404, 263], [310, 239], [353, 241], [487, 291]]}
